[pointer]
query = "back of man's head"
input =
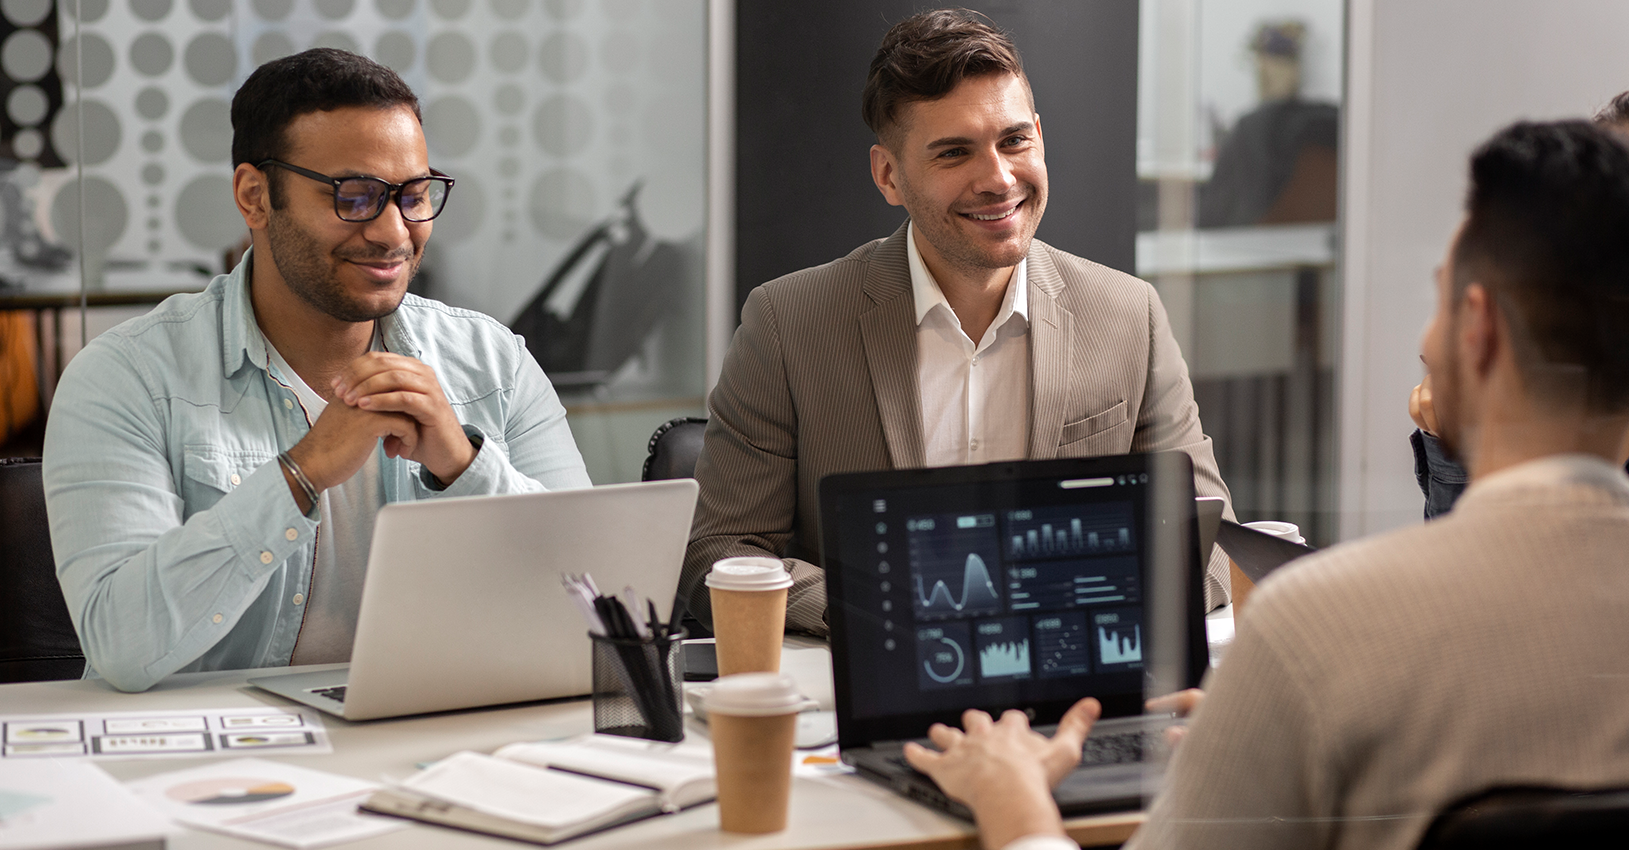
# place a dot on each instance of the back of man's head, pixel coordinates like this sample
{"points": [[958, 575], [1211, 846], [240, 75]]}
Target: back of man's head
{"points": [[1547, 231], [927, 55], [318, 80]]}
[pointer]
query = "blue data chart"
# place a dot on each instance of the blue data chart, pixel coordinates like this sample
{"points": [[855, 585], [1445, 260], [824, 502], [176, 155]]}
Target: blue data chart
{"points": [[1069, 532], [1003, 647], [1061, 645], [955, 564], [944, 656], [1059, 585], [1118, 636]]}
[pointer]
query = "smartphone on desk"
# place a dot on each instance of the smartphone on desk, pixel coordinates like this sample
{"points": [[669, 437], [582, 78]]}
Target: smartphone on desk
{"points": [[700, 661]]}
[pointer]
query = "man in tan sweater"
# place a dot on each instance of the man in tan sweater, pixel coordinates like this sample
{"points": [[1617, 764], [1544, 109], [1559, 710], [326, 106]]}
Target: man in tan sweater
{"points": [[1374, 684]]}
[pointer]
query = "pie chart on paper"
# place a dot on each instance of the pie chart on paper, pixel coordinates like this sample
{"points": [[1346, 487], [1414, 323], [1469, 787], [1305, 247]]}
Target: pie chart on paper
{"points": [[228, 791]]}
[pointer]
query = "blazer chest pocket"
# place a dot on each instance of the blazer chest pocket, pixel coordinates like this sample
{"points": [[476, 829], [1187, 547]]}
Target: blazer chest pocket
{"points": [[207, 474], [1096, 434]]}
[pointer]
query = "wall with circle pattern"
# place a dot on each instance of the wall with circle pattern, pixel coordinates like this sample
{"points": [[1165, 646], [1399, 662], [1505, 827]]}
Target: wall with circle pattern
{"points": [[546, 112]]}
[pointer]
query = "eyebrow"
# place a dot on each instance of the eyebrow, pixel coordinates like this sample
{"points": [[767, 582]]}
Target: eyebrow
{"points": [[957, 141]]}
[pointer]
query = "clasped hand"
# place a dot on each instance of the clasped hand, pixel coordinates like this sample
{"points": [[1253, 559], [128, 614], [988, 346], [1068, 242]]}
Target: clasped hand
{"points": [[385, 396]]}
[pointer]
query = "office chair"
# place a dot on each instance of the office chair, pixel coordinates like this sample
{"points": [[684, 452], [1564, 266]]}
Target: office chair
{"points": [[1529, 817], [37, 638], [673, 452], [674, 449]]}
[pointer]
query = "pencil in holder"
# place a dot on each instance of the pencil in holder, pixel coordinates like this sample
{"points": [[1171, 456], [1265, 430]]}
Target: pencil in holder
{"points": [[639, 686]]}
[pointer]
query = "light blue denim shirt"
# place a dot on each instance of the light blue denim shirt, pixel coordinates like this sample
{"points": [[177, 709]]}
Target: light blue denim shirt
{"points": [[178, 543]]}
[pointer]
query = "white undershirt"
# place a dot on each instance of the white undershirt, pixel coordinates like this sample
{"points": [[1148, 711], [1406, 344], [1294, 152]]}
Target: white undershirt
{"points": [[344, 536], [975, 398]]}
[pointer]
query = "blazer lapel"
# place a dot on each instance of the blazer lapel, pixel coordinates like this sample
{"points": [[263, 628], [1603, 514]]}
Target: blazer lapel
{"points": [[888, 330], [1050, 355]]}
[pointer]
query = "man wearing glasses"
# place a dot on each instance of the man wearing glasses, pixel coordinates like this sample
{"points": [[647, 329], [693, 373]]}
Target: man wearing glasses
{"points": [[213, 469]]}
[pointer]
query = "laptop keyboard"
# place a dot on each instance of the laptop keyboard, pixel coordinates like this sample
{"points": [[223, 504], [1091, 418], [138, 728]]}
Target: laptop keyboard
{"points": [[335, 693], [1118, 748]]}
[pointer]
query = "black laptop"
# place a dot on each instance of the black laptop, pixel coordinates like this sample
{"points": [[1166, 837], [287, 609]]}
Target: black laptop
{"points": [[1014, 585]]}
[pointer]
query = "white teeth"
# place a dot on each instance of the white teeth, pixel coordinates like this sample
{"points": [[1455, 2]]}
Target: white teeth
{"points": [[996, 217]]}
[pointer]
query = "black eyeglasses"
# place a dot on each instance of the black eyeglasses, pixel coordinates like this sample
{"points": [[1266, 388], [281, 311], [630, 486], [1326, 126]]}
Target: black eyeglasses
{"points": [[364, 198]]}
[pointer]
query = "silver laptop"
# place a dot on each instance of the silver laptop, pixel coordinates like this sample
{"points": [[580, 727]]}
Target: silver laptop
{"points": [[463, 605]]}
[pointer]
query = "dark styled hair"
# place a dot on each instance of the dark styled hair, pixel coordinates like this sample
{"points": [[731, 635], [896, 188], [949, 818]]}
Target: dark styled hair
{"points": [[318, 80], [1546, 218], [927, 55], [1615, 113]]}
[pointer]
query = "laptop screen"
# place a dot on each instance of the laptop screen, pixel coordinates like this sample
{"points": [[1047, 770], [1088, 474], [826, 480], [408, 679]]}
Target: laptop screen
{"points": [[1007, 585]]}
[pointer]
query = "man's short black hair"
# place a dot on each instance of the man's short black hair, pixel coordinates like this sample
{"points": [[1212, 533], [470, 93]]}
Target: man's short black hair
{"points": [[1547, 231], [927, 55], [318, 80]]}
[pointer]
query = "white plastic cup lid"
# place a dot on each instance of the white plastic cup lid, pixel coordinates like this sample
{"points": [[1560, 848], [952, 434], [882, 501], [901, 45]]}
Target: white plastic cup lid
{"points": [[754, 695], [1286, 530], [749, 574]]}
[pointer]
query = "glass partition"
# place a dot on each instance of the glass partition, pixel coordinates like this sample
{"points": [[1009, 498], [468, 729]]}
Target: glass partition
{"points": [[576, 130], [1238, 128]]}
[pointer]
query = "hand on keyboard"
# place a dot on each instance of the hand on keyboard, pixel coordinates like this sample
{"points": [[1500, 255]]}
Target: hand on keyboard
{"points": [[1182, 704], [1003, 770]]}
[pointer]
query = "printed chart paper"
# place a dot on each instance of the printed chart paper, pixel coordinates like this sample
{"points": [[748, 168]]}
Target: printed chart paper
{"points": [[163, 734], [267, 801]]}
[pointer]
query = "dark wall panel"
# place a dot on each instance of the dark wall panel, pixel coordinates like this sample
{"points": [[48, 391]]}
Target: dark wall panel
{"points": [[803, 183]]}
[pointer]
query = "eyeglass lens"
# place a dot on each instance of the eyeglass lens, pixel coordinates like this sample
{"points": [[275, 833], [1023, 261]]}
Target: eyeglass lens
{"points": [[363, 198]]}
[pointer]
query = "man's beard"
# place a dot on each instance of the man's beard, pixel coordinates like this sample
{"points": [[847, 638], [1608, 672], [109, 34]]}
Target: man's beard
{"points": [[310, 273]]}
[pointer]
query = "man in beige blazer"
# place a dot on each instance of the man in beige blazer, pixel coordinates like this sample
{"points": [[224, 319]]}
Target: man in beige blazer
{"points": [[1376, 683], [958, 339]]}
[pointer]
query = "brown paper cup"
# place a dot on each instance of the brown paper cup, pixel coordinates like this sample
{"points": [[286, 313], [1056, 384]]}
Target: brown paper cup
{"points": [[749, 626], [753, 756]]}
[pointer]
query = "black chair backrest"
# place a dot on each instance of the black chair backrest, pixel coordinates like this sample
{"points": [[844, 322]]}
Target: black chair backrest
{"points": [[1532, 817], [37, 639], [674, 449]]}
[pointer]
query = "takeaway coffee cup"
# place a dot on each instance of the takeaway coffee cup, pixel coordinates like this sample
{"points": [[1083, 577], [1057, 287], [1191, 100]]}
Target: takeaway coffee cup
{"points": [[1282, 530], [753, 720], [749, 613]]}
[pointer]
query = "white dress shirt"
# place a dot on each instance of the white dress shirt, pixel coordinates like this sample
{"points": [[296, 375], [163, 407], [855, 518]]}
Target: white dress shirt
{"points": [[975, 397]]}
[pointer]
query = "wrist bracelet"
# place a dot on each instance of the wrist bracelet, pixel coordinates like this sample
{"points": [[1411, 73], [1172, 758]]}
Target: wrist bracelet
{"points": [[299, 477]]}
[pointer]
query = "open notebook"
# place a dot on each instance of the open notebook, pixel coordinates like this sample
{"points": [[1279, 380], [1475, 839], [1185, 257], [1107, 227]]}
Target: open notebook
{"points": [[554, 790]]}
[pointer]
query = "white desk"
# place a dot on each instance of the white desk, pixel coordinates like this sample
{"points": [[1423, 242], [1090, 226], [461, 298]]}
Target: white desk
{"points": [[831, 812]]}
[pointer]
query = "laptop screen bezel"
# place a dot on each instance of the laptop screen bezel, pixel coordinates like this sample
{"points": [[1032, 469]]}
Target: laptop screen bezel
{"points": [[1175, 468]]}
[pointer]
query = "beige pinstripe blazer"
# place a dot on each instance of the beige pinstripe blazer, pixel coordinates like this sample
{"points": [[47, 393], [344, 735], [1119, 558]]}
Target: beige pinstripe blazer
{"points": [[821, 378]]}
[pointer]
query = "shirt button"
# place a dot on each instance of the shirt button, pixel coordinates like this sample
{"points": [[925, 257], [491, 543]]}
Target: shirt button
{"points": [[974, 445], [265, 557], [292, 534], [288, 403], [215, 619], [236, 480], [299, 598]]}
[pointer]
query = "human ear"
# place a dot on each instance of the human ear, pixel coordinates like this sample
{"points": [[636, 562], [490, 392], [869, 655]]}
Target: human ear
{"points": [[1480, 333], [882, 173], [253, 195]]}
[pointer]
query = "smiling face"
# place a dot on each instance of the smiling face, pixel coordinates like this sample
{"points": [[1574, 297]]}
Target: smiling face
{"points": [[970, 169], [349, 271]]}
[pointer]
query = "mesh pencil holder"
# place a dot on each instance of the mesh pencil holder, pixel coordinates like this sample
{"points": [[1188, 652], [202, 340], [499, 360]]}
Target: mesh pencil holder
{"points": [[639, 687]]}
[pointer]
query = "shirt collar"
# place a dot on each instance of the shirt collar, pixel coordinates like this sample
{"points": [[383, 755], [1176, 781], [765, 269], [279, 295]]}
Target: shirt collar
{"points": [[927, 294]]}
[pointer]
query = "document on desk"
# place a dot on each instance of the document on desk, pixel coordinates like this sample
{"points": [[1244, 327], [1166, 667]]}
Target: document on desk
{"points": [[49, 803], [163, 734], [267, 801]]}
